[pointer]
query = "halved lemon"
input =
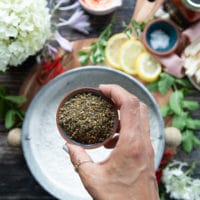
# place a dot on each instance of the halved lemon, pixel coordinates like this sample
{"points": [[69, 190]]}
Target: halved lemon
{"points": [[112, 49], [128, 55], [147, 67]]}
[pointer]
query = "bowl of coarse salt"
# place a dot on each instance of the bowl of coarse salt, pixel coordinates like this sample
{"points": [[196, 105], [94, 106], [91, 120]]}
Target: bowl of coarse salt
{"points": [[161, 37]]}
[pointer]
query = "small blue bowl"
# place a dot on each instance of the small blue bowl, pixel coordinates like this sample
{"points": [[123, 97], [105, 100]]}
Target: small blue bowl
{"points": [[161, 37]]}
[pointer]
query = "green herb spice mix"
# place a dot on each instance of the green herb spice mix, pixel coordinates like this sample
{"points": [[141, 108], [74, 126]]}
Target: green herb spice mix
{"points": [[87, 118]]}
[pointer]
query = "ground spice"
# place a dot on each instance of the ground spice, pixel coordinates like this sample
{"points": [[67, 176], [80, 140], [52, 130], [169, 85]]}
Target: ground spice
{"points": [[87, 118]]}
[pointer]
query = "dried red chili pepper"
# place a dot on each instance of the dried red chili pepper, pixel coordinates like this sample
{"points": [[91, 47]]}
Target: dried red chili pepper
{"points": [[165, 160], [50, 69], [158, 175]]}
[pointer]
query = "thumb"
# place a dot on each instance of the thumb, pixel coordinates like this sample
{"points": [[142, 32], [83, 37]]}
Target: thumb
{"points": [[79, 158]]}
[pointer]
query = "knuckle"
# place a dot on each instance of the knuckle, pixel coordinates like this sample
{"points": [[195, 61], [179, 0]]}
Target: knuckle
{"points": [[132, 101], [136, 150]]}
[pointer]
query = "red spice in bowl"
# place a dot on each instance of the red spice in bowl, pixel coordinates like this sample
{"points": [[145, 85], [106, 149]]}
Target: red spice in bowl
{"points": [[100, 7], [87, 118]]}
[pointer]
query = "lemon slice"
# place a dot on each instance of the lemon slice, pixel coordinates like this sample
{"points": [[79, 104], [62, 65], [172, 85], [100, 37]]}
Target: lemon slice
{"points": [[128, 55], [147, 67], [112, 49]]}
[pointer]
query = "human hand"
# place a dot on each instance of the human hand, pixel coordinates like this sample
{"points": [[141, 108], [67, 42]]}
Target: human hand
{"points": [[128, 173]]}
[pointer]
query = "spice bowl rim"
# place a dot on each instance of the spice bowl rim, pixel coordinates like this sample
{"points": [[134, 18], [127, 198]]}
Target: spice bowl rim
{"points": [[97, 92], [103, 11], [146, 41]]}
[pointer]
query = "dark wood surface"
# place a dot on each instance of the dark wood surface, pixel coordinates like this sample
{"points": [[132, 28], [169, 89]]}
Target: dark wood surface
{"points": [[16, 181]]}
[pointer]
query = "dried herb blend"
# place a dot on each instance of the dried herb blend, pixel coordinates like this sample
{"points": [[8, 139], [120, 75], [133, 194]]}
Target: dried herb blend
{"points": [[87, 118]]}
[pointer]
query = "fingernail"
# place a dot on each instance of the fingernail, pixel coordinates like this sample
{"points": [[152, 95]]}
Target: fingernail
{"points": [[65, 148]]}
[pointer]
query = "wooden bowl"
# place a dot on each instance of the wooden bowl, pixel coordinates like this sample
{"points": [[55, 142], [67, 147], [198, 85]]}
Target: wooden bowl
{"points": [[88, 131], [161, 37]]}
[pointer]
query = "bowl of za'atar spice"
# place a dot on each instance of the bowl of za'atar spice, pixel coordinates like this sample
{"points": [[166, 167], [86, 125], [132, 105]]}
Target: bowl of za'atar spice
{"points": [[87, 117]]}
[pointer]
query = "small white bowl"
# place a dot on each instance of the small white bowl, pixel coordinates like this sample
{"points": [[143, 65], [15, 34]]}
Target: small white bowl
{"points": [[102, 10]]}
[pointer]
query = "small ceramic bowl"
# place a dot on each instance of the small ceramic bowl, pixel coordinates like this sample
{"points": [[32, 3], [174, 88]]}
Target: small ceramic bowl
{"points": [[68, 137], [102, 9], [161, 37]]}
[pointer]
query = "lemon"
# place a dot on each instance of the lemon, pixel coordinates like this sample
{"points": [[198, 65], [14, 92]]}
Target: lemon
{"points": [[128, 55], [112, 49], [147, 67]]}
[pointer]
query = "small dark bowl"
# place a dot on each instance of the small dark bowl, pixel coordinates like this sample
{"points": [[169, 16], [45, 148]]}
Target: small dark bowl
{"points": [[95, 92], [169, 29]]}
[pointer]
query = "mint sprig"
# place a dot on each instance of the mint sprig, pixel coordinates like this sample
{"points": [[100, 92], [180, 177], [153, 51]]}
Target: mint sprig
{"points": [[10, 109], [179, 108], [95, 53]]}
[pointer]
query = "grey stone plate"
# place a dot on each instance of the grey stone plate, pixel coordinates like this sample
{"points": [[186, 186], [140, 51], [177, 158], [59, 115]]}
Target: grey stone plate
{"points": [[42, 143]]}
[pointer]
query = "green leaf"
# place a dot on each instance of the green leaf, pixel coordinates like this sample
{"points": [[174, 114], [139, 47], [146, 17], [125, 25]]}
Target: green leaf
{"points": [[139, 27], [93, 58], [184, 82], [193, 124], [187, 143], [10, 119], [106, 33], [175, 101], [16, 99], [196, 141], [2, 91], [190, 105], [165, 83], [127, 29], [179, 122], [96, 49], [153, 87], [165, 110], [20, 114], [83, 57]]}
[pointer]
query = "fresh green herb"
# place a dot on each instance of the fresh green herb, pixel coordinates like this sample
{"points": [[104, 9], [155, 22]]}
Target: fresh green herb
{"points": [[135, 27], [10, 108], [139, 27], [178, 108], [127, 29], [166, 81], [95, 53], [189, 141]]}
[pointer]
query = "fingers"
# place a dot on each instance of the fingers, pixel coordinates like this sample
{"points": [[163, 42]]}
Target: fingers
{"points": [[116, 93], [80, 159], [129, 106]]}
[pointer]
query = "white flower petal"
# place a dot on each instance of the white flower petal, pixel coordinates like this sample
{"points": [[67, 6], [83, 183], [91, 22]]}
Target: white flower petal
{"points": [[64, 43], [24, 28]]}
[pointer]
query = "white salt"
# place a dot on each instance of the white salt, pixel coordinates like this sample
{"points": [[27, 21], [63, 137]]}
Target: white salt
{"points": [[159, 39]]}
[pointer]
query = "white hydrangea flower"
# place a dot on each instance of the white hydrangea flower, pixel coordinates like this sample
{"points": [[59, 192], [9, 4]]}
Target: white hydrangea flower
{"points": [[24, 28], [178, 184]]}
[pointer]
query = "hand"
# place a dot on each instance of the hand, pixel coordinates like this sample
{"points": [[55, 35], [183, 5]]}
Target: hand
{"points": [[128, 173]]}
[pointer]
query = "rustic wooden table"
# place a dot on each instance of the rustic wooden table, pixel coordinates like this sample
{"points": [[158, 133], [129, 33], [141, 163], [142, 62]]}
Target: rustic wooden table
{"points": [[16, 181]]}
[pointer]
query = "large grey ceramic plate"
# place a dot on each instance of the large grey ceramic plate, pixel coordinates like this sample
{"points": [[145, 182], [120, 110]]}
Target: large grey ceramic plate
{"points": [[42, 144]]}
